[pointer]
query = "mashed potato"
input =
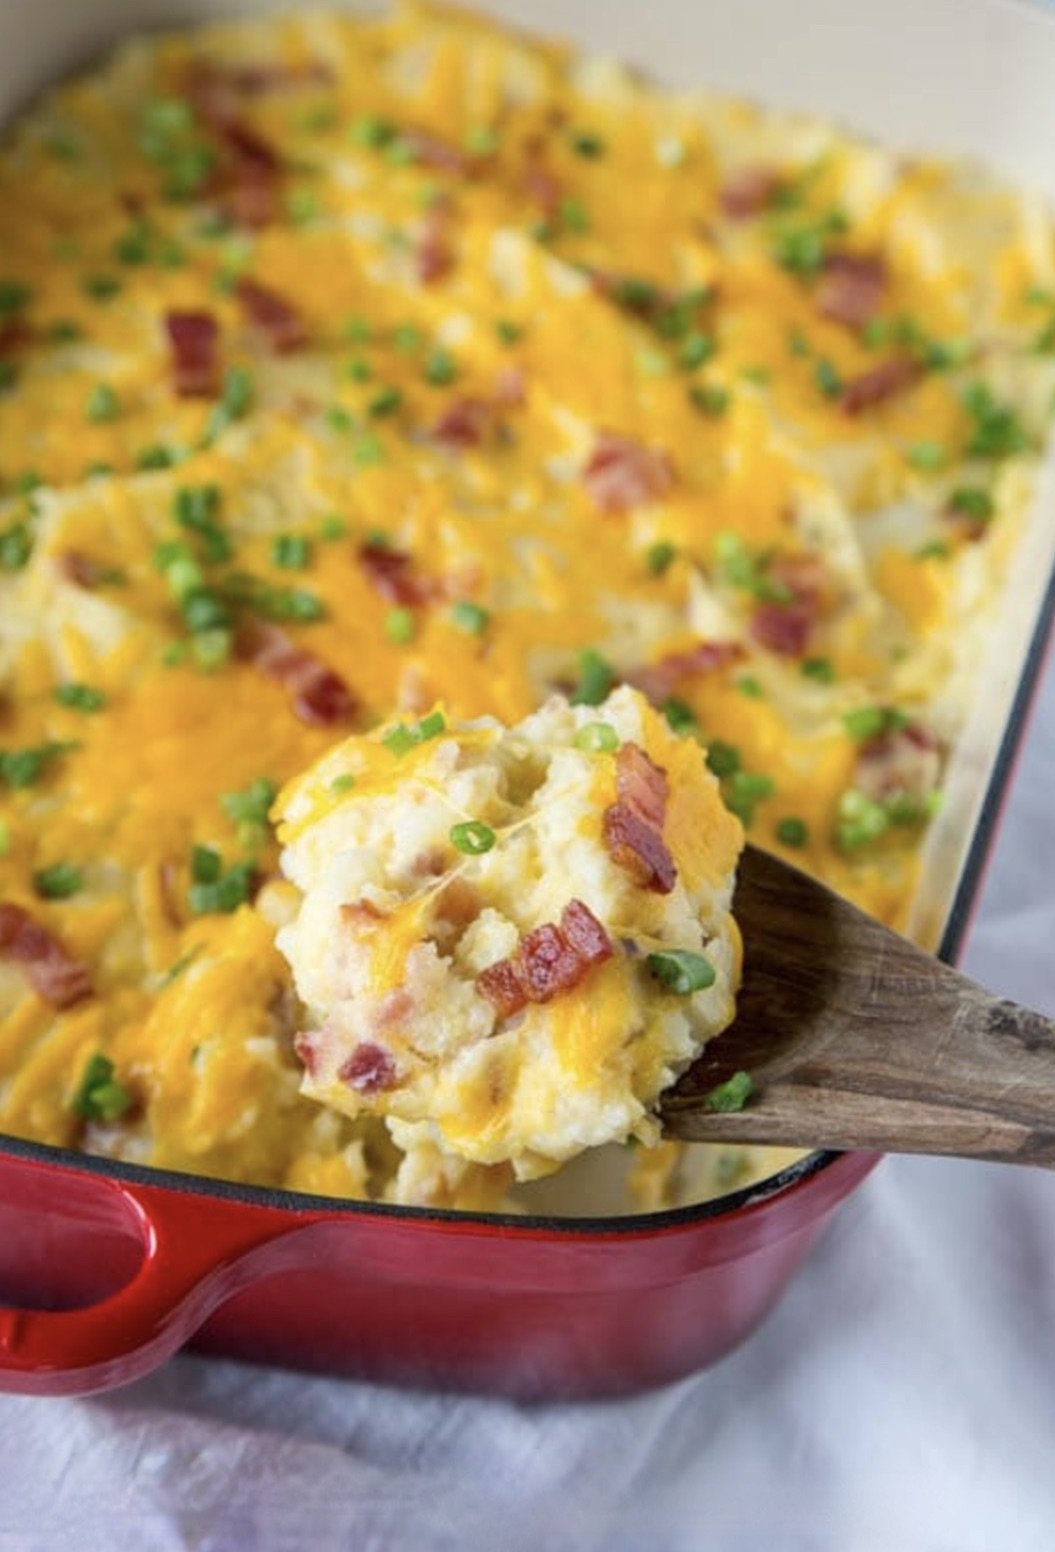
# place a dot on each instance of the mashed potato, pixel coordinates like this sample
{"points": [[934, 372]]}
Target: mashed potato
{"points": [[354, 365], [511, 940]]}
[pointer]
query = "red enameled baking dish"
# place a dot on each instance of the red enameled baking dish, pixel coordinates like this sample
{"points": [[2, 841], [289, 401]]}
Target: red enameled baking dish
{"points": [[106, 1269]]}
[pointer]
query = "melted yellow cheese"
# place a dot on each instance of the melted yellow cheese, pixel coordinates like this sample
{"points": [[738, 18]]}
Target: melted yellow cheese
{"points": [[595, 284]]}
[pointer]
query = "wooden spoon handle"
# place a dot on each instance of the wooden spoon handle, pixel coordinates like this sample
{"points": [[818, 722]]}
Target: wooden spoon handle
{"points": [[855, 1038]]}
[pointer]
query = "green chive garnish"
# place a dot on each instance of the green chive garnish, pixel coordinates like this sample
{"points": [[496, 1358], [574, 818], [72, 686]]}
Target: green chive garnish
{"points": [[597, 738], [682, 971], [59, 881], [80, 697], [473, 838], [733, 1094], [99, 1096]]}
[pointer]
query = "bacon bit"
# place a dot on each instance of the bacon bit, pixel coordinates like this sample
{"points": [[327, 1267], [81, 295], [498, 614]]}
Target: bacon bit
{"points": [[464, 423], [320, 695], [431, 151], [249, 175], [852, 288], [549, 961], [306, 1046], [434, 256], [786, 628], [639, 849], [783, 628], [642, 784], [510, 388], [392, 574], [370, 1069], [883, 382], [80, 569], [633, 825], [52, 972], [904, 762], [276, 319], [504, 987], [194, 339], [621, 473], [750, 191], [587, 936], [261, 80], [542, 186], [658, 681]]}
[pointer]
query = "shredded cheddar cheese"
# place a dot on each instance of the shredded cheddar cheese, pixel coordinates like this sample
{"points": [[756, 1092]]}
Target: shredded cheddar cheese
{"points": [[348, 367]]}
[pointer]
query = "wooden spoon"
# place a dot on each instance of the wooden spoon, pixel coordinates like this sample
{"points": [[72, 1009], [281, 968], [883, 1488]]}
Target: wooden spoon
{"points": [[855, 1038]]}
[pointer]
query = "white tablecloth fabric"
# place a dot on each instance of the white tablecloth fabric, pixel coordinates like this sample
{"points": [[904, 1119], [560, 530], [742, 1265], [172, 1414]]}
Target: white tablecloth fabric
{"points": [[901, 1398]]}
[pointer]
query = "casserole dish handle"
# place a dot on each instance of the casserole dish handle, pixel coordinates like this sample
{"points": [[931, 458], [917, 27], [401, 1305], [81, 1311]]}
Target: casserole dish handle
{"points": [[195, 1252]]}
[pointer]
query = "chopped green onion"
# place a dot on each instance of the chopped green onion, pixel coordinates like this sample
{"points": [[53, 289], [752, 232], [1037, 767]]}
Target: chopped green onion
{"points": [[431, 726], [587, 145], [400, 740], [358, 371], [292, 552], [661, 556], [59, 881], [596, 677], [100, 1096], [709, 399], [793, 832], [997, 432], [744, 790], [828, 379], [819, 668], [14, 296], [972, 501], [21, 768], [357, 329], [597, 738], [16, 546], [206, 864], [333, 527], [508, 331], [682, 971], [224, 893], [753, 688], [574, 215], [860, 821], [408, 337], [102, 404], [372, 131], [5, 838], [401, 625], [470, 617], [927, 456], [387, 402], [722, 758], [696, 348], [733, 1094], [80, 697], [369, 451], [681, 718], [473, 838], [251, 806], [204, 610], [868, 722], [156, 456], [101, 287], [440, 369], [342, 784]]}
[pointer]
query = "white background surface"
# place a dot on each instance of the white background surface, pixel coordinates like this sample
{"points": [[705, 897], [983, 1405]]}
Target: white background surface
{"points": [[901, 1399]]}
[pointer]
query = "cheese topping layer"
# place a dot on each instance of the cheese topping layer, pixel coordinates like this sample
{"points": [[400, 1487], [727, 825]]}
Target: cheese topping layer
{"points": [[349, 366]]}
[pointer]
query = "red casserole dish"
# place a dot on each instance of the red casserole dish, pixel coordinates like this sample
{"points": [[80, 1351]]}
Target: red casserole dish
{"points": [[106, 1270]]}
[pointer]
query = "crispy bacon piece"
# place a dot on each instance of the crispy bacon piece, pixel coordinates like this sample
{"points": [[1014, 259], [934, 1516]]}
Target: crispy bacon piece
{"points": [[80, 569], [883, 382], [320, 695], [852, 288], [504, 986], [550, 960], [194, 339], [370, 1069], [392, 574], [464, 423], [542, 186], [658, 681], [14, 334], [248, 178], [434, 256], [750, 191], [786, 626], [639, 849], [434, 152], [621, 473], [903, 762], [52, 972], [633, 825], [306, 1043], [276, 319]]}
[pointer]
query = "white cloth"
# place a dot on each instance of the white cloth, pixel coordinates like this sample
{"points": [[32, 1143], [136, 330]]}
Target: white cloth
{"points": [[900, 1399]]}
